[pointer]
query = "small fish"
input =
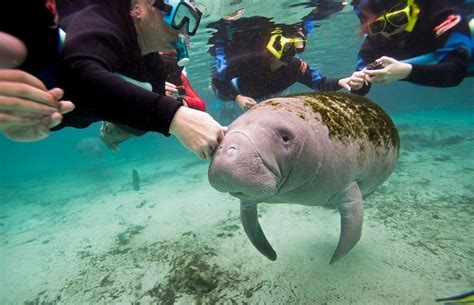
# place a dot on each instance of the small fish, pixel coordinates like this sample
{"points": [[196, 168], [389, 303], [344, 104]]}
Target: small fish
{"points": [[135, 180], [464, 299]]}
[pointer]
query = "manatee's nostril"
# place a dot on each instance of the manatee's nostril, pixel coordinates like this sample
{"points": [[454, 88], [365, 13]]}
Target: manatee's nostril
{"points": [[231, 151]]}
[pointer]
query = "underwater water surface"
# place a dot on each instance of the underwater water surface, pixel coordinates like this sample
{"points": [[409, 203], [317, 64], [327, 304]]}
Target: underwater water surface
{"points": [[74, 230]]}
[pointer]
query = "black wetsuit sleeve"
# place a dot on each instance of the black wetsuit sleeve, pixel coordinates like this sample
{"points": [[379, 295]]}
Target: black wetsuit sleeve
{"points": [[329, 84], [364, 90], [448, 73], [90, 58], [313, 79], [110, 98]]}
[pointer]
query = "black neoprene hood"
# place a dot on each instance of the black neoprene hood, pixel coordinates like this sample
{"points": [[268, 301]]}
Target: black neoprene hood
{"points": [[378, 6]]}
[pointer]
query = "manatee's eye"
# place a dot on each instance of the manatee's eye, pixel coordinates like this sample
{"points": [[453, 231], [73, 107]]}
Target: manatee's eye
{"points": [[286, 137]]}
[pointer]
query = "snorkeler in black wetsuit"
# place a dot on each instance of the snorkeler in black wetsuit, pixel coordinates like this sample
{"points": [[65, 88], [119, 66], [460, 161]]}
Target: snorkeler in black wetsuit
{"points": [[110, 40], [265, 73], [401, 30]]}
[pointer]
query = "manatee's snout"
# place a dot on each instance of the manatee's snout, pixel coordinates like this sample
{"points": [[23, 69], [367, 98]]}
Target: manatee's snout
{"points": [[237, 168]]}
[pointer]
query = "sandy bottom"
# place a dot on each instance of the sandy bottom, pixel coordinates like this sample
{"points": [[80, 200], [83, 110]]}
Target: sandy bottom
{"points": [[89, 238]]}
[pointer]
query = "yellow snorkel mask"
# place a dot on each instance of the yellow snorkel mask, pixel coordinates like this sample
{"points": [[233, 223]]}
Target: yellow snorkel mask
{"points": [[395, 18], [282, 48]]}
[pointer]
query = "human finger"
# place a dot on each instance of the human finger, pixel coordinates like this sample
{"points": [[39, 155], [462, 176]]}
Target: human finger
{"points": [[377, 79], [202, 155], [53, 120], [19, 76], [360, 73], [346, 85], [8, 120], [250, 103], [170, 87], [207, 153], [354, 85], [369, 78], [221, 134], [357, 81], [26, 91], [13, 51], [57, 93], [385, 60], [11, 103], [212, 149], [66, 107], [372, 73], [358, 78]]}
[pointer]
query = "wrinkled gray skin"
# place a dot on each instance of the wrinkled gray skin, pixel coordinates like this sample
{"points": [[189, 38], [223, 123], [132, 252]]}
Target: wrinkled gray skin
{"points": [[311, 149]]}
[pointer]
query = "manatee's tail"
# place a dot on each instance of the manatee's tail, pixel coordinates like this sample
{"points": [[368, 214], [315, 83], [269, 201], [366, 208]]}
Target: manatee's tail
{"points": [[351, 209], [249, 218]]}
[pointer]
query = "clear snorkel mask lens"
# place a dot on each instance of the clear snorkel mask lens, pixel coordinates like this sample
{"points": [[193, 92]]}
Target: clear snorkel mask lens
{"points": [[186, 13], [178, 13]]}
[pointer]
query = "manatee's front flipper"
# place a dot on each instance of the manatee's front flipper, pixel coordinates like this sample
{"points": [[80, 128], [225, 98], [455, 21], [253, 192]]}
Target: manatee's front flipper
{"points": [[249, 218], [351, 209]]}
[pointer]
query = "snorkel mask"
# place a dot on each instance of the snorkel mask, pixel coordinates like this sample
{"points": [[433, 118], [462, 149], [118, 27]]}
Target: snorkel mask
{"points": [[399, 15], [178, 13], [283, 48]]}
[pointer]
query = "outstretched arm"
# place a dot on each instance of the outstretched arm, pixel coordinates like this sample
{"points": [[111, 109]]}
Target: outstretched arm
{"points": [[313, 79], [453, 44]]}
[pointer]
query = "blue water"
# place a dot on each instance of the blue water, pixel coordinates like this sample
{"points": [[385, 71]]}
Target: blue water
{"points": [[54, 251]]}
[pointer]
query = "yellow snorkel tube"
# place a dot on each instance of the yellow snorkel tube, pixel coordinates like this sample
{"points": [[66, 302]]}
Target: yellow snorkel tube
{"points": [[416, 10]]}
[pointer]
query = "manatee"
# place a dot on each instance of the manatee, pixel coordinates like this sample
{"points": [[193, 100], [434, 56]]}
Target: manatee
{"points": [[328, 149], [90, 147]]}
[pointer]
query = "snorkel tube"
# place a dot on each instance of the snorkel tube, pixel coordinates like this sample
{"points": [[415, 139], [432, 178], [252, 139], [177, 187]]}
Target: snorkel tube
{"points": [[183, 58]]}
